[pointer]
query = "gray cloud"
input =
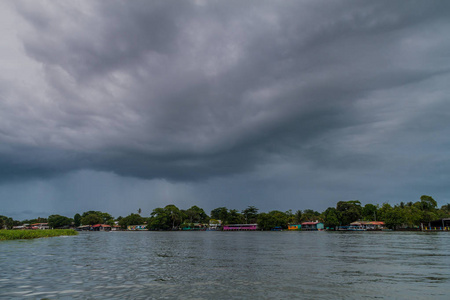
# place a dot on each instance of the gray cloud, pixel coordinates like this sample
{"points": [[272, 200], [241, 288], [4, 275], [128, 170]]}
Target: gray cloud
{"points": [[194, 90]]}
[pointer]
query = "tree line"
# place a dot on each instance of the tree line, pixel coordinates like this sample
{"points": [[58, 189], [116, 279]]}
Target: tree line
{"points": [[170, 217]]}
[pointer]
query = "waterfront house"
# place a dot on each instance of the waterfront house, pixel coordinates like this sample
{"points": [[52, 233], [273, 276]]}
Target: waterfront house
{"points": [[240, 227], [136, 227], [20, 227], [116, 228], [41, 226], [437, 225], [214, 224], [101, 227], [312, 226], [366, 225], [294, 226], [194, 226], [83, 228]]}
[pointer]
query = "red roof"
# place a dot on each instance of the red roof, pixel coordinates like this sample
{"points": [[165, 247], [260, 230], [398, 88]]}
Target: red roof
{"points": [[101, 225], [310, 223]]}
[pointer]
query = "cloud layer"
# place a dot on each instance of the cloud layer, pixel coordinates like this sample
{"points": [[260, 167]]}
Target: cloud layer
{"points": [[194, 90]]}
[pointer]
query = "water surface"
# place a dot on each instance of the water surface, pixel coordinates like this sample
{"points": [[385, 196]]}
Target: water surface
{"points": [[228, 265]]}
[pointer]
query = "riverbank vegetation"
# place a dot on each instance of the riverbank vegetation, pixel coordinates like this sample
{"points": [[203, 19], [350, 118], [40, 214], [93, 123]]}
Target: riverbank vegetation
{"points": [[33, 234], [170, 217]]}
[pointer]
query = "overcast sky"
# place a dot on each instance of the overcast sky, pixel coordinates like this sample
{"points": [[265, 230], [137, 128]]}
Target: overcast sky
{"points": [[121, 105]]}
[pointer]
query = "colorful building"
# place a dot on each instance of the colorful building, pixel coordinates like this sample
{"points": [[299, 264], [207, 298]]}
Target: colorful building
{"points": [[137, 227], [312, 226], [240, 227], [294, 227], [194, 227], [437, 225], [366, 225]]}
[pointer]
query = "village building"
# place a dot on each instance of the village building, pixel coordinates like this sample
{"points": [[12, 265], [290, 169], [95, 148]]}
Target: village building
{"points": [[101, 227], [194, 227], [116, 228], [41, 226], [366, 225], [294, 227], [240, 227], [136, 227], [312, 226], [437, 225]]}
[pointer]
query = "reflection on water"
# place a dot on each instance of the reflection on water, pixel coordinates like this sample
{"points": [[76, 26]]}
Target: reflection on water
{"points": [[224, 265]]}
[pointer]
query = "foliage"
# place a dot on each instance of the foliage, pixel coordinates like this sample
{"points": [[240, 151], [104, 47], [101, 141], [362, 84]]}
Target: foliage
{"points": [[91, 219], [369, 212], [104, 218], [33, 221], [32, 234], [169, 217], [231, 216], [330, 218], [275, 218], [235, 217], [57, 221], [159, 220], [428, 203], [220, 213], [77, 220], [195, 214], [348, 211], [132, 219], [392, 216], [404, 215], [309, 215], [298, 217], [250, 214]]}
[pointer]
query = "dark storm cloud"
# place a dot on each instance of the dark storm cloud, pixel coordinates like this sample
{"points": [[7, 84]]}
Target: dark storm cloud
{"points": [[189, 90]]}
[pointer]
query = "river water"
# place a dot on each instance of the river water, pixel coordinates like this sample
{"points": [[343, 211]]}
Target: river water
{"points": [[228, 265]]}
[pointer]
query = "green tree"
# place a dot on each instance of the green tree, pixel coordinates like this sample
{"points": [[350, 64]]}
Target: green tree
{"points": [[290, 215], [3, 220], [33, 221], [77, 220], [393, 217], [412, 215], [132, 219], [57, 221], [273, 219], [348, 211], [234, 217], [91, 219], [428, 203], [444, 211], [330, 218], [105, 218], [174, 215], [159, 220], [298, 216], [369, 212], [8, 223], [310, 215], [220, 213], [250, 214], [169, 217], [196, 214]]}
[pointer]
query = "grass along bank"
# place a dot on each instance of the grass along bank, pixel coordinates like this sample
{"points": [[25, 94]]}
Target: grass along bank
{"points": [[33, 234]]}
